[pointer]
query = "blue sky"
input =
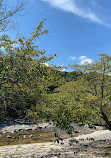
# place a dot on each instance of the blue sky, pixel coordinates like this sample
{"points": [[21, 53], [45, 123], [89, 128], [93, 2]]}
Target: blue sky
{"points": [[78, 29]]}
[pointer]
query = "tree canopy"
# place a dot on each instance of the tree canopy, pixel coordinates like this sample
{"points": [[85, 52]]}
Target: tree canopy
{"points": [[29, 87], [22, 73], [97, 85]]}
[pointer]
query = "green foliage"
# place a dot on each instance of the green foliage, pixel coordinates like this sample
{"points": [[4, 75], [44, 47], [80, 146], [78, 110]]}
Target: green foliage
{"points": [[97, 84], [70, 76], [84, 100], [73, 103], [28, 86], [22, 73]]}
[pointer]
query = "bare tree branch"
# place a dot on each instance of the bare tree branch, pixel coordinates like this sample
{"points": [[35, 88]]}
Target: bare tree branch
{"points": [[8, 13]]}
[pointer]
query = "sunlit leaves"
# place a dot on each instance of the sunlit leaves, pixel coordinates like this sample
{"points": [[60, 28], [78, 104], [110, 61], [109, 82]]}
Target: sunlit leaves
{"points": [[96, 81], [22, 72]]}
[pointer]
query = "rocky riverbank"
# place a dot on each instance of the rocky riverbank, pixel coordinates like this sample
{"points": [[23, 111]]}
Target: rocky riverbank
{"points": [[85, 143]]}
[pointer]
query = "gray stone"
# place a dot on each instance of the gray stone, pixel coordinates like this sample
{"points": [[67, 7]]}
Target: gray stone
{"points": [[8, 136], [31, 136]]}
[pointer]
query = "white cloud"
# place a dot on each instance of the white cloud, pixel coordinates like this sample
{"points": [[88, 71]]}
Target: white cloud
{"points": [[63, 70], [46, 64], [74, 6], [81, 59], [84, 60], [72, 58]]}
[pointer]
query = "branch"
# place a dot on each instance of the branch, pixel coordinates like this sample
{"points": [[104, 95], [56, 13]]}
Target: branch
{"points": [[105, 118], [90, 92], [7, 14]]}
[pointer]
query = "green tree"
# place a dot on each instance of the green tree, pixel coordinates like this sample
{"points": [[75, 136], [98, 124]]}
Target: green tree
{"points": [[97, 86], [22, 73]]}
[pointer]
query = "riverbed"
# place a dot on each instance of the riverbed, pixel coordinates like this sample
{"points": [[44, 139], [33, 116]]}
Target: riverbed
{"points": [[39, 141]]}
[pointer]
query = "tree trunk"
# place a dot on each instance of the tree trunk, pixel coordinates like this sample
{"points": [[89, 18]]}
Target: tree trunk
{"points": [[104, 117]]}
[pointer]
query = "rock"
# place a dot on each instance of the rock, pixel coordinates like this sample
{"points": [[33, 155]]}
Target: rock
{"points": [[28, 129], [106, 154], [24, 136], [8, 136], [19, 130], [31, 136]]}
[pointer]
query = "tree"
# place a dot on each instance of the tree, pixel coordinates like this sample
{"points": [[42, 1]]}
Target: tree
{"points": [[97, 86], [8, 13], [84, 100], [22, 73]]}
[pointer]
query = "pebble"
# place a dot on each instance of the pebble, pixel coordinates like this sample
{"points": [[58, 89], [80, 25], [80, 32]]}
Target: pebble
{"points": [[24, 136], [31, 136]]}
